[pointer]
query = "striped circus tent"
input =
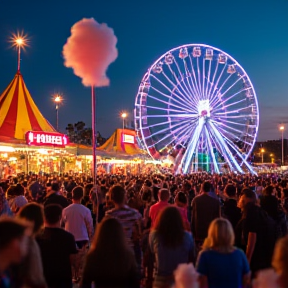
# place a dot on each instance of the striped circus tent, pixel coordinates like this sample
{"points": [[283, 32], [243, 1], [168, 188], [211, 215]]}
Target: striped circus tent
{"points": [[122, 144], [19, 113]]}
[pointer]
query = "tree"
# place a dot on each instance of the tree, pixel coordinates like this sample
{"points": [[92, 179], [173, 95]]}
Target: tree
{"points": [[80, 134]]}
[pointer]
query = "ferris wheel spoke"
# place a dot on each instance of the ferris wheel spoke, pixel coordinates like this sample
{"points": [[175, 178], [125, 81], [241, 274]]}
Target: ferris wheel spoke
{"points": [[173, 116], [203, 80], [186, 94], [194, 75], [232, 112], [238, 123], [189, 77], [219, 108], [208, 80], [231, 128], [187, 157], [165, 109], [228, 153], [198, 72], [215, 164], [232, 145], [217, 83], [219, 94], [171, 91], [165, 137], [183, 104], [167, 128], [230, 97], [213, 79], [222, 94], [170, 103]]}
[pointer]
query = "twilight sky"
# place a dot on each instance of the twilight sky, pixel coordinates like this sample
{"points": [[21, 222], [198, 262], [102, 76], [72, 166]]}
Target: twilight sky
{"points": [[254, 32]]}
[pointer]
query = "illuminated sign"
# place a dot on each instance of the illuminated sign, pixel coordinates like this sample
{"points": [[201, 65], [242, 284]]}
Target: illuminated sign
{"points": [[128, 138], [37, 138]]}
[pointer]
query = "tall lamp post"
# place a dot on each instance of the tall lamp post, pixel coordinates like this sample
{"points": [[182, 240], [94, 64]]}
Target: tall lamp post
{"points": [[282, 149], [124, 115], [20, 41], [57, 101], [262, 154]]}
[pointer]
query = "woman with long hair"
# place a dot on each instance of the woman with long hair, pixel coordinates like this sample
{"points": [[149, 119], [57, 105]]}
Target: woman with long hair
{"points": [[31, 271], [220, 264], [110, 263], [171, 244]]}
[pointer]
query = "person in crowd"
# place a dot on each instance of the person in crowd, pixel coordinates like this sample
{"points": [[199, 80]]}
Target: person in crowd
{"points": [[220, 264], [269, 202], [280, 261], [171, 244], [110, 263], [181, 204], [163, 196], [4, 205], [30, 272], [230, 209], [18, 200], [78, 221], [128, 217], [53, 196], [204, 210], [255, 233], [56, 246], [13, 248]]}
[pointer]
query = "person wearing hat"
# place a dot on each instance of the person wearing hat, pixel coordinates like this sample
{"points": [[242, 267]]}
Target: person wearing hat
{"points": [[78, 221]]}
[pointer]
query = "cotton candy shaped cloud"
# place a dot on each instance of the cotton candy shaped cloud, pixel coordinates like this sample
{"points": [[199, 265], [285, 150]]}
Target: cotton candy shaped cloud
{"points": [[89, 51]]}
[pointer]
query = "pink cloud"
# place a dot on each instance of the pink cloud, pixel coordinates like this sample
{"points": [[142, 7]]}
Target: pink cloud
{"points": [[89, 51]]}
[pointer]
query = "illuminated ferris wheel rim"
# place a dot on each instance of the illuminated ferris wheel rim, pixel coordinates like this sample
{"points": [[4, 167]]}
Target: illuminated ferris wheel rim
{"points": [[219, 51]]}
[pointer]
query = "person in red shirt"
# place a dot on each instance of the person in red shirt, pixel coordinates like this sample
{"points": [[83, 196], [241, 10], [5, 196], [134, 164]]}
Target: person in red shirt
{"points": [[155, 209]]}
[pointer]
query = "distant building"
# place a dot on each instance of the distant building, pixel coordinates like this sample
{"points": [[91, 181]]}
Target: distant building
{"points": [[272, 151]]}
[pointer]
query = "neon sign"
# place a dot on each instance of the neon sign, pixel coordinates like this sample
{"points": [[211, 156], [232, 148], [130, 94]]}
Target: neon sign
{"points": [[128, 139], [37, 138]]}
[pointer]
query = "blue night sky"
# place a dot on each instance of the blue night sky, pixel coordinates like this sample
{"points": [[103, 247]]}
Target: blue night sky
{"points": [[254, 32]]}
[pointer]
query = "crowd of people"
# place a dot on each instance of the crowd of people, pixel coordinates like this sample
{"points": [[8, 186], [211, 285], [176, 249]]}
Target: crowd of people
{"points": [[160, 231]]}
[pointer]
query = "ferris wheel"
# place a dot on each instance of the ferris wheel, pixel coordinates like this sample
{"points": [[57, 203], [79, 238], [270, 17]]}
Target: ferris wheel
{"points": [[197, 104]]}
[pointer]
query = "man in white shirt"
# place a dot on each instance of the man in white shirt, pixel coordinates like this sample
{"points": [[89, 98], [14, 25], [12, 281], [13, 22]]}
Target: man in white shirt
{"points": [[77, 218], [78, 221]]}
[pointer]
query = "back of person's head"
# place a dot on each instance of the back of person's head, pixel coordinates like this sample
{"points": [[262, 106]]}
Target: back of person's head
{"points": [[206, 186], [33, 212], [187, 186], [77, 193], [181, 197], [87, 189], [109, 233], [280, 258], [147, 195], [19, 190], [248, 193], [164, 194], [230, 190], [268, 191], [52, 213], [220, 235], [55, 186], [285, 192], [169, 227], [11, 191], [117, 194], [10, 229]]}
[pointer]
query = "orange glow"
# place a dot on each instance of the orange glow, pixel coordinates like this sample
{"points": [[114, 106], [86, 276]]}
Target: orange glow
{"points": [[57, 99], [281, 128], [19, 40], [124, 115]]}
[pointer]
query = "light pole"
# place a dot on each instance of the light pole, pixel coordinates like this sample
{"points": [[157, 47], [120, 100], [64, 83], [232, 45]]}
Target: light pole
{"points": [[262, 153], [57, 100], [282, 150], [123, 115], [272, 155]]}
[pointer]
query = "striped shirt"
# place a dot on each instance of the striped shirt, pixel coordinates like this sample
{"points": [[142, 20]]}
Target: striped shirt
{"points": [[130, 220]]}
